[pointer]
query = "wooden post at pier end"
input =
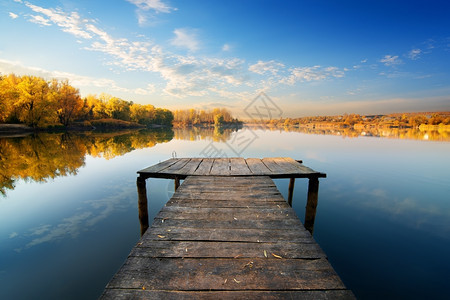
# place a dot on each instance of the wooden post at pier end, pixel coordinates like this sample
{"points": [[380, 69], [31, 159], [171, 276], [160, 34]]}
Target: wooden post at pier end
{"points": [[311, 203], [142, 203], [291, 190], [177, 183]]}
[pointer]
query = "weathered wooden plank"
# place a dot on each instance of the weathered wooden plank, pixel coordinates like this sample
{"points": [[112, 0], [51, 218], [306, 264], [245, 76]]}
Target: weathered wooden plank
{"points": [[257, 167], [192, 249], [228, 224], [231, 274], [190, 167], [263, 196], [245, 203], [236, 184], [289, 166], [273, 166], [238, 166], [226, 189], [224, 179], [223, 214], [175, 168], [205, 167], [299, 167], [226, 235], [221, 167], [245, 212], [277, 167], [140, 293], [160, 166]]}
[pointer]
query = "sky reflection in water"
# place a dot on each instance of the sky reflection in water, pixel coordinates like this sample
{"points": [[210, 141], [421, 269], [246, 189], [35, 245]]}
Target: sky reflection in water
{"points": [[383, 216]]}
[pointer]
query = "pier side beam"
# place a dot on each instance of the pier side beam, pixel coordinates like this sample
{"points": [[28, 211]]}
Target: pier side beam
{"points": [[291, 190], [311, 203], [142, 203]]}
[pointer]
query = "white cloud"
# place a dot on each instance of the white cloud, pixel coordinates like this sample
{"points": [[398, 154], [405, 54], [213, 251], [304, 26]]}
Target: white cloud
{"points": [[76, 80], [71, 23], [40, 20], [145, 8], [184, 75], [390, 60], [314, 73], [414, 54], [185, 38], [155, 5], [13, 15], [263, 67], [226, 47]]}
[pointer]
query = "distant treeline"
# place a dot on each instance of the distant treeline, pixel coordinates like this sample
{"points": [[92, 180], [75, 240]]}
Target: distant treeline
{"points": [[39, 103], [217, 116], [398, 120]]}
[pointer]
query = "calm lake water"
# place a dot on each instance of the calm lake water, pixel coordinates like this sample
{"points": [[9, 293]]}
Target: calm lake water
{"points": [[69, 218]]}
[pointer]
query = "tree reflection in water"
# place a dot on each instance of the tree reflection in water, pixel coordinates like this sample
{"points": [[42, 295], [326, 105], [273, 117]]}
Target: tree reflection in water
{"points": [[42, 156]]}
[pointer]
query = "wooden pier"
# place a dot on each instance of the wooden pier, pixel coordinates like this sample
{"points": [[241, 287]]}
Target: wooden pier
{"points": [[227, 232]]}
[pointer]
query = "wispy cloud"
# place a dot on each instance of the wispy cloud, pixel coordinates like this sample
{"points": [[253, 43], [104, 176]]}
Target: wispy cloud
{"points": [[263, 67], [18, 68], [40, 20], [314, 73], [226, 47], [390, 60], [13, 15], [184, 75], [414, 54], [185, 38], [146, 9], [71, 23], [155, 5]]}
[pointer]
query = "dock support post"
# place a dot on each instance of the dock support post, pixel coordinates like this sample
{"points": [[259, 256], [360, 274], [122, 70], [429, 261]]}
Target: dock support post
{"points": [[177, 183], [291, 190], [311, 203], [142, 204]]}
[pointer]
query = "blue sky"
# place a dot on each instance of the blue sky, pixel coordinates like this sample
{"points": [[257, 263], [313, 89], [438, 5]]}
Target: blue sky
{"points": [[309, 57]]}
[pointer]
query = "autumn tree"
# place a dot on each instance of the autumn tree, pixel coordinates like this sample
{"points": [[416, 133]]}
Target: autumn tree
{"points": [[68, 101], [142, 114], [35, 105], [6, 101], [117, 108]]}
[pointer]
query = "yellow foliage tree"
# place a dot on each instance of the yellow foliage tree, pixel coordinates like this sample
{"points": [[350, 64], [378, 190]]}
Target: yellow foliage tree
{"points": [[68, 101], [36, 108]]}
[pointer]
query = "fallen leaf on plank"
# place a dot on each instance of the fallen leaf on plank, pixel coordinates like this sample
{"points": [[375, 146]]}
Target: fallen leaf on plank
{"points": [[277, 256]]}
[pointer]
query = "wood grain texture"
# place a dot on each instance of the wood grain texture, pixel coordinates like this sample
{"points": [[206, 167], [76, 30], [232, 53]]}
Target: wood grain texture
{"points": [[226, 238], [275, 167], [144, 293]]}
